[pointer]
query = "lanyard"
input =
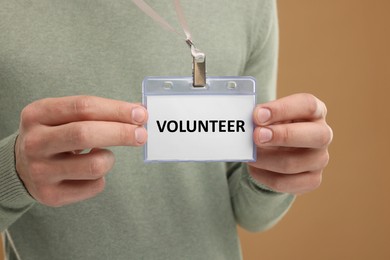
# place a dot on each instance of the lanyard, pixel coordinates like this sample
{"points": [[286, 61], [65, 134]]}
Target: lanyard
{"points": [[199, 58]]}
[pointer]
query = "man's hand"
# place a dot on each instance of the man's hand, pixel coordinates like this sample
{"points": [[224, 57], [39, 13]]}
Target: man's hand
{"points": [[54, 131], [292, 139]]}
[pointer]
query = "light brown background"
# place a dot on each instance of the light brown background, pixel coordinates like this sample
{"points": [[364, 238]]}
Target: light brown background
{"points": [[339, 51]]}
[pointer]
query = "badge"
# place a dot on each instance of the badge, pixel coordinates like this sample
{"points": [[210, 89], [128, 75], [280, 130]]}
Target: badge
{"points": [[210, 123]]}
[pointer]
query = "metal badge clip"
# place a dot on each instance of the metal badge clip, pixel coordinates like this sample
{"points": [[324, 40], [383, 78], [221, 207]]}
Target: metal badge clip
{"points": [[198, 65]]}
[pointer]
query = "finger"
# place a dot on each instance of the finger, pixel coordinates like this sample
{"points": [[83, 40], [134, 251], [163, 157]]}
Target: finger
{"points": [[296, 107], [69, 192], [288, 183], [303, 135], [291, 161], [85, 135], [90, 166], [57, 111]]}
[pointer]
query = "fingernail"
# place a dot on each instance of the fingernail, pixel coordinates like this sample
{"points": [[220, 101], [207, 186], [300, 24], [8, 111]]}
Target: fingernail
{"points": [[263, 115], [138, 114], [265, 135], [140, 135]]}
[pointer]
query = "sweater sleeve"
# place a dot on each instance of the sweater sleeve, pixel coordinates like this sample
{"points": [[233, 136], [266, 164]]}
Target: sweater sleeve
{"points": [[14, 198], [255, 206]]}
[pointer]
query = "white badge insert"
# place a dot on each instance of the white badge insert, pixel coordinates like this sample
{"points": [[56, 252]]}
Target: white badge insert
{"points": [[211, 123]]}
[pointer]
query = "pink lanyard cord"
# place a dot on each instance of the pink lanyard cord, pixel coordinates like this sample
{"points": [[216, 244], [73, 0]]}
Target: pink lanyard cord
{"points": [[147, 9], [199, 58]]}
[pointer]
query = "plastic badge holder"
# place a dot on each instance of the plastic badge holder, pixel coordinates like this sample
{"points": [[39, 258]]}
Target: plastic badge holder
{"points": [[211, 123]]}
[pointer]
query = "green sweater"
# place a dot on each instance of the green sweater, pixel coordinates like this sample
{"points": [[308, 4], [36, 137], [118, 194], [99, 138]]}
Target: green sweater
{"points": [[52, 48]]}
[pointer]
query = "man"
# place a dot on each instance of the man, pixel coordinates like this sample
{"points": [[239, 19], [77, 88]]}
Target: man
{"points": [[72, 70]]}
